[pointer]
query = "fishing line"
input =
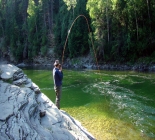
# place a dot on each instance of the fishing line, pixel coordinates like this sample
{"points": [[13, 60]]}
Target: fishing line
{"points": [[90, 37]]}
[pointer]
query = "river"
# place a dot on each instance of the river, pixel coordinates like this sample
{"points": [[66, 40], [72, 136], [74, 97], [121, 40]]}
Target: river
{"points": [[112, 105]]}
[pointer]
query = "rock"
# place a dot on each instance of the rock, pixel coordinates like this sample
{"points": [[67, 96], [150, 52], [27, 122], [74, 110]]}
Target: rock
{"points": [[87, 66], [22, 65], [35, 88], [18, 74], [7, 71], [20, 81], [26, 115]]}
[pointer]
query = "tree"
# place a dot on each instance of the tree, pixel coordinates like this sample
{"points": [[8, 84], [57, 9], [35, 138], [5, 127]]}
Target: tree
{"points": [[100, 13], [77, 43]]}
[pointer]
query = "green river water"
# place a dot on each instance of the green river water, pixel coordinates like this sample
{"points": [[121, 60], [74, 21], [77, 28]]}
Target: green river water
{"points": [[112, 105]]}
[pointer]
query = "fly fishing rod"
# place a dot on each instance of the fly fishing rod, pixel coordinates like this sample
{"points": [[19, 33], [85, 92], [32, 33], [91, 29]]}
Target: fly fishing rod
{"points": [[90, 38]]}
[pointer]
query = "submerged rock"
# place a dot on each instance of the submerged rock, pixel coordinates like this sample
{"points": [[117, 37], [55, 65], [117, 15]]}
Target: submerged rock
{"points": [[27, 114]]}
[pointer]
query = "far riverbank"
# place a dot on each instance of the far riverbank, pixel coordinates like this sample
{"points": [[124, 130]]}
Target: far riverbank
{"points": [[85, 63]]}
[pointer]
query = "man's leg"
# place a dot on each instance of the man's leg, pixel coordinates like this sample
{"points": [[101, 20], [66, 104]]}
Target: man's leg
{"points": [[58, 91]]}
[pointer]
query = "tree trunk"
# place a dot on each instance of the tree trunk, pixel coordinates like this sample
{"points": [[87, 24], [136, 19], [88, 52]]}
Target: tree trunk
{"points": [[25, 50], [24, 16], [136, 24], [137, 28], [45, 20], [2, 29], [148, 9], [51, 19], [107, 17]]}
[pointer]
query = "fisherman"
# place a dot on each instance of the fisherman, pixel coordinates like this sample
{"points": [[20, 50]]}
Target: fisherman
{"points": [[57, 78]]}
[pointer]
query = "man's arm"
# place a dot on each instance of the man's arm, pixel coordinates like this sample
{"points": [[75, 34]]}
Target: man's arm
{"points": [[60, 74]]}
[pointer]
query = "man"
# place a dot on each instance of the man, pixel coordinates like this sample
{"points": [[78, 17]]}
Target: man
{"points": [[57, 78]]}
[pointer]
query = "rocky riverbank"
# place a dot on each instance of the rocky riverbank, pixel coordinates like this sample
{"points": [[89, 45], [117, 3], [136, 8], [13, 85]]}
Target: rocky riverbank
{"points": [[83, 63], [26, 113]]}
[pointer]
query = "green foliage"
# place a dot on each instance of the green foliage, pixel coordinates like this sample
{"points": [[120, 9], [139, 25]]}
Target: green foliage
{"points": [[129, 25], [24, 27], [77, 42], [43, 50], [70, 4], [122, 30]]}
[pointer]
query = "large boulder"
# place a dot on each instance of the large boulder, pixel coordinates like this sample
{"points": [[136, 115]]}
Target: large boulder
{"points": [[27, 114]]}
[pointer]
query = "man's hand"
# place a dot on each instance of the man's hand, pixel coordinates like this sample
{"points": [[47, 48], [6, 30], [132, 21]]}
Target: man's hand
{"points": [[60, 67]]}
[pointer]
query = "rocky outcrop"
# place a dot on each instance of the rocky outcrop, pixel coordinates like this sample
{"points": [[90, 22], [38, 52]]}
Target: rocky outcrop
{"points": [[27, 114]]}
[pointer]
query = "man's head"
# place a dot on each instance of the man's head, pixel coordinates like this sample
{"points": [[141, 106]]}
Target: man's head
{"points": [[56, 63]]}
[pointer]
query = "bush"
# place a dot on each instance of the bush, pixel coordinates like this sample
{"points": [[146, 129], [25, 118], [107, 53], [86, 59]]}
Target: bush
{"points": [[43, 50]]}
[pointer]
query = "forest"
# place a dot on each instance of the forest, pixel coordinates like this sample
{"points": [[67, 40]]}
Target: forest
{"points": [[121, 30]]}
